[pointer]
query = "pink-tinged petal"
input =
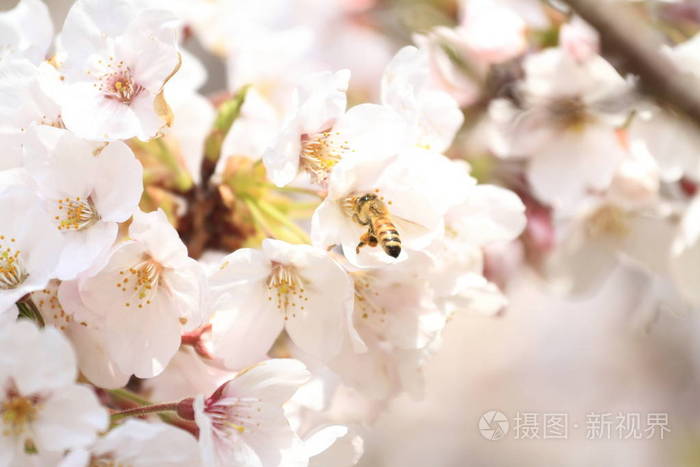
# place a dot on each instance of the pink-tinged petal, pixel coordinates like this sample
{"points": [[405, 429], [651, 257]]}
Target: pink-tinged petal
{"points": [[137, 442], [245, 325], [282, 160], [143, 340], [53, 360], [159, 237], [154, 62], [90, 115], [568, 167], [323, 100], [490, 214], [84, 248], [31, 18], [70, 417], [272, 381], [116, 201], [317, 325]]}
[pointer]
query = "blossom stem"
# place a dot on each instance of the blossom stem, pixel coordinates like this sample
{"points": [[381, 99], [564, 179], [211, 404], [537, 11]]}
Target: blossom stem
{"points": [[145, 410], [129, 396]]}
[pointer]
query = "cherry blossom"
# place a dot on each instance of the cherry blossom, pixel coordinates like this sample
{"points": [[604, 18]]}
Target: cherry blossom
{"points": [[139, 444], [304, 140], [42, 407], [257, 293], [114, 79], [82, 185], [30, 245], [566, 124], [415, 208], [243, 423], [146, 295], [432, 115]]}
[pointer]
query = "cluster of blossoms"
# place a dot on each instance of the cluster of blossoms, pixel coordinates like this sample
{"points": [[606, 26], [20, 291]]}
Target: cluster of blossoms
{"points": [[258, 273], [609, 176], [265, 270]]}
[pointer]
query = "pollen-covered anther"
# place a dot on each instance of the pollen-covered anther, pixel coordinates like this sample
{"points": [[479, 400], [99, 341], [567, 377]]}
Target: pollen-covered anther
{"points": [[320, 153], [238, 415], [286, 288], [365, 297], [139, 283], [119, 84], [12, 271], [76, 214]]}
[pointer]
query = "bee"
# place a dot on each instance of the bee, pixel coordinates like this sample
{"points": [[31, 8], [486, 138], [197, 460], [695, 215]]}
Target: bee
{"points": [[368, 210]]}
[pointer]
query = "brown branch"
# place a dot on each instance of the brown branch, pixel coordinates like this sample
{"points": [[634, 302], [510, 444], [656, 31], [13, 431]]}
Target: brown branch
{"points": [[626, 36]]}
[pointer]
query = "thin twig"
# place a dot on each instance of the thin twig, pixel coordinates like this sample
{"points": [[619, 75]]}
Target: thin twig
{"points": [[638, 46]]}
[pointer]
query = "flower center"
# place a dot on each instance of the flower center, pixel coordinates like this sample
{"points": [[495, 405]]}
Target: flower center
{"points": [[365, 297], [569, 112], [286, 288], [12, 272], [76, 214], [140, 282], [239, 415], [118, 84], [320, 153], [17, 412], [607, 221]]}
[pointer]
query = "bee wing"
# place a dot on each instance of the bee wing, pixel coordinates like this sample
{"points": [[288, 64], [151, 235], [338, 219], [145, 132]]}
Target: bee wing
{"points": [[409, 229]]}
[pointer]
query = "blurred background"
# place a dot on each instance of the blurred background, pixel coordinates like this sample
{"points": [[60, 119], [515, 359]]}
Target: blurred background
{"points": [[595, 358]]}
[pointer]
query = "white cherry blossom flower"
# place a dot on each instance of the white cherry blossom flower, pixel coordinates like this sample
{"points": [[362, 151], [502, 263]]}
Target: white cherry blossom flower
{"points": [[116, 58], [42, 407], [303, 141], [481, 216], [147, 294], [566, 124], [30, 245], [139, 444], [432, 115], [26, 31], [257, 293], [670, 138], [606, 233], [88, 188], [415, 187], [243, 422]]}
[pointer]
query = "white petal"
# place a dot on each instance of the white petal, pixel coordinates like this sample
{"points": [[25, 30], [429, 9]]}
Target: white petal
{"points": [[70, 418], [116, 198], [272, 381]]}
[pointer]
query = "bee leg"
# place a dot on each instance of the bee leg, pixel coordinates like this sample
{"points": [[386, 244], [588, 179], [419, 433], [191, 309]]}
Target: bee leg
{"points": [[366, 239], [372, 241], [356, 218]]}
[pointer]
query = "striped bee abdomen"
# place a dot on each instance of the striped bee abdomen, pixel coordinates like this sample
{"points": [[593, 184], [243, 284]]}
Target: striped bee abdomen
{"points": [[388, 236]]}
